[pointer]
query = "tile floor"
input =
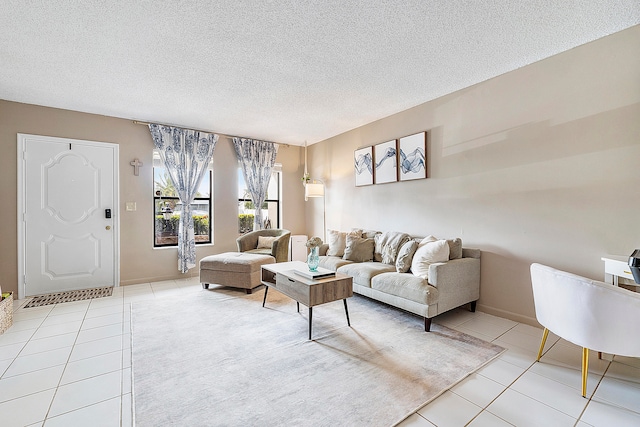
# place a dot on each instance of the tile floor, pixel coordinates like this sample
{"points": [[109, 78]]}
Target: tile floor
{"points": [[70, 365]]}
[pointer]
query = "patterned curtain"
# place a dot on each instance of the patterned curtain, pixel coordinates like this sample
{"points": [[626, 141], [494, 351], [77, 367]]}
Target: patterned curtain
{"points": [[186, 155], [257, 159]]}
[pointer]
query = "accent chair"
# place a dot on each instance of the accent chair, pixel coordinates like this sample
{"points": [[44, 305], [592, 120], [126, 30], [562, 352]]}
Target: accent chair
{"points": [[271, 241], [588, 313]]}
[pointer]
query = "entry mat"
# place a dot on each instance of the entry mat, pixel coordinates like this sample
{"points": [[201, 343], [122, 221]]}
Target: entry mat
{"points": [[69, 296]]}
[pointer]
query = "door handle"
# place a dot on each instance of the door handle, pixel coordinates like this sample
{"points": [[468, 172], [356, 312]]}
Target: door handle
{"points": [[108, 227]]}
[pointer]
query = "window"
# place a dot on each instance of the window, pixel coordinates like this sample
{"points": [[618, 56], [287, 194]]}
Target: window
{"points": [[168, 207], [270, 208]]}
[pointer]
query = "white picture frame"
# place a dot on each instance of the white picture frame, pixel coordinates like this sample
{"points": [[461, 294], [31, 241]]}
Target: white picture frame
{"points": [[363, 166], [412, 157], [386, 162]]}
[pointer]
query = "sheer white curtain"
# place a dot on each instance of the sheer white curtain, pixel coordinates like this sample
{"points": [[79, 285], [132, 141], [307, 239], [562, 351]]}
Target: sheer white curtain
{"points": [[257, 159], [186, 155]]}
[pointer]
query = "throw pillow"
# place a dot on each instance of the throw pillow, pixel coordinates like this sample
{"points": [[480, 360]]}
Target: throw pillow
{"points": [[370, 234], [388, 245], [337, 241], [455, 248], [405, 256], [359, 249], [265, 242], [429, 253]]}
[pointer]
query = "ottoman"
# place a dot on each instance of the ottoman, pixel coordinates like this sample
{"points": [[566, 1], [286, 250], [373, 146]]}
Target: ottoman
{"points": [[234, 269]]}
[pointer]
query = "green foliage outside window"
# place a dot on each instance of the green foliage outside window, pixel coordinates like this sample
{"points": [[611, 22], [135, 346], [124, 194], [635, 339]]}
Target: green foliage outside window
{"points": [[170, 226], [245, 223]]}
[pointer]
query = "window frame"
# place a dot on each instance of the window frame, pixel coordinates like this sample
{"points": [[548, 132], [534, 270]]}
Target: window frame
{"points": [[157, 199], [277, 170]]}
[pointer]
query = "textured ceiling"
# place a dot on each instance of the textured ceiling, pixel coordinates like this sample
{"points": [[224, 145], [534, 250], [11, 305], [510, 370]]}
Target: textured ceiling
{"points": [[284, 71]]}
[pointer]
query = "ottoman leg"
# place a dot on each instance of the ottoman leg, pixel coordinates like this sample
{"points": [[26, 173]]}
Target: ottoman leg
{"points": [[205, 286], [249, 291]]}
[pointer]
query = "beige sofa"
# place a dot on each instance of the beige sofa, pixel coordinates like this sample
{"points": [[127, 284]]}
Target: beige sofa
{"points": [[442, 286]]}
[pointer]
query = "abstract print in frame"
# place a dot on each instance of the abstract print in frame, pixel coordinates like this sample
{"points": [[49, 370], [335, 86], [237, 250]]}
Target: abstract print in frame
{"points": [[363, 166], [385, 158], [413, 163]]}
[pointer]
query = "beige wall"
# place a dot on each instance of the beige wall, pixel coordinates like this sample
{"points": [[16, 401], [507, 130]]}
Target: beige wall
{"points": [[139, 261], [538, 165]]}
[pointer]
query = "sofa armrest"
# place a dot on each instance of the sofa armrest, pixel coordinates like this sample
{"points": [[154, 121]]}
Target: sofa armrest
{"points": [[457, 280]]}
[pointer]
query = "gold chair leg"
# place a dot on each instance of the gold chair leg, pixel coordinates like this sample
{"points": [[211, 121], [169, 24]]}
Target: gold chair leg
{"points": [[585, 370], [544, 340]]}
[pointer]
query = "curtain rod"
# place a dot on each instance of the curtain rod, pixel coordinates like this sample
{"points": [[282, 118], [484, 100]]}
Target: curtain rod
{"points": [[138, 122]]}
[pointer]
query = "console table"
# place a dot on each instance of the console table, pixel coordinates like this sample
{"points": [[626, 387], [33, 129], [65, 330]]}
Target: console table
{"points": [[618, 266]]}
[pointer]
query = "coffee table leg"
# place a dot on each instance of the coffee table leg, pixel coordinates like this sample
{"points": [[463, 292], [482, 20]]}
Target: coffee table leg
{"points": [[310, 316], [298, 305], [266, 289], [346, 310]]}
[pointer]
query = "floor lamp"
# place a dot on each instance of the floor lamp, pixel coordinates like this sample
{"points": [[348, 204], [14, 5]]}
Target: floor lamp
{"points": [[316, 189]]}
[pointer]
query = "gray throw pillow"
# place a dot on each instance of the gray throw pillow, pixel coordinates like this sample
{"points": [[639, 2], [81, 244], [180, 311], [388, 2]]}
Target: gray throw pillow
{"points": [[405, 256], [455, 248], [358, 249]]}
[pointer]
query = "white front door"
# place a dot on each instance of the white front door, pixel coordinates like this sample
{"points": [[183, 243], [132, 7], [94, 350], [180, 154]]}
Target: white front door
{"points": [[69, 224]]}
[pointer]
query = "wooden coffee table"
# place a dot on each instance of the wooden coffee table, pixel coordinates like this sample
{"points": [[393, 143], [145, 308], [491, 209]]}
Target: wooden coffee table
{"points": [[309, 292]]}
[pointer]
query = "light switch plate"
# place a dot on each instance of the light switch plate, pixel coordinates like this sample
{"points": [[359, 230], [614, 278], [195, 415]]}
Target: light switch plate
{"points": [[130, 206]]}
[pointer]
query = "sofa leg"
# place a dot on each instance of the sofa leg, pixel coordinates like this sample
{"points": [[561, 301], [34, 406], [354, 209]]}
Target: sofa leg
{"points": [[473, 306], [427, 324], [205, 286]]}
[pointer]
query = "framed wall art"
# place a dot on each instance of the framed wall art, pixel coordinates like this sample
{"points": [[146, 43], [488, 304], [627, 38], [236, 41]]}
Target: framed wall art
{"points": [[363, 166], [386, 163], [412, 157]]}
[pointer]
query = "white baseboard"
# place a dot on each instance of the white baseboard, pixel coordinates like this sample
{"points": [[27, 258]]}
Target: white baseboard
{"points": [[509, 315]]}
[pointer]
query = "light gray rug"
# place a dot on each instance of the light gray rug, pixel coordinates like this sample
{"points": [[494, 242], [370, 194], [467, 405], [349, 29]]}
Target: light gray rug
{"points": [[217, 358]]}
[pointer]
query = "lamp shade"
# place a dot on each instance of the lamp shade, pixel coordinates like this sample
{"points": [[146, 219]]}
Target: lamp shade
{"points": [[314, 189]]}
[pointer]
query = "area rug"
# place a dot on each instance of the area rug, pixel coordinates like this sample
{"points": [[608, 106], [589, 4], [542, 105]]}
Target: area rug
{"points": [[69, 296], [218, 358]]}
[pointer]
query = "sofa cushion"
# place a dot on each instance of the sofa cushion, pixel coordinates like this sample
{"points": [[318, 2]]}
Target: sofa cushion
{"points": [[362, 272], [388, 245], [338, 241], [358, 249], [332, 262], [406, 286], [405, 256], [429, 252]]}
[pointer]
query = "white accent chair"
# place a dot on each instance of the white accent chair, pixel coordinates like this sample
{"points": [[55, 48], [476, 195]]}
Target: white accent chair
{"points": [[588, 313]]}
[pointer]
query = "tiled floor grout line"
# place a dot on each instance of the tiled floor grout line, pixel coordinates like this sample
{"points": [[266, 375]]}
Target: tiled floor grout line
{"points": [[55, 393]]}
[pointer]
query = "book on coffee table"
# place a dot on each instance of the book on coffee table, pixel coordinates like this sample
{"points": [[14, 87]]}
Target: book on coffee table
{"points": [[322, 273]]}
